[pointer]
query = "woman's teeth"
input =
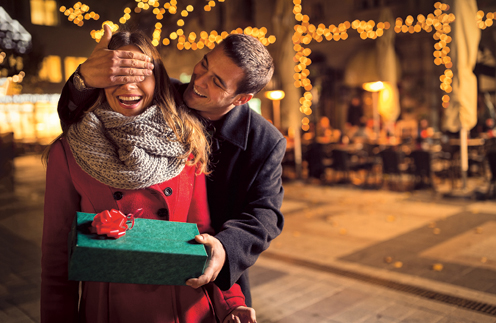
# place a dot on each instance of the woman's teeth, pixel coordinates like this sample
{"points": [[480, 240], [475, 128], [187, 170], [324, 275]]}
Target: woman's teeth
{"points": [[129, 99]]}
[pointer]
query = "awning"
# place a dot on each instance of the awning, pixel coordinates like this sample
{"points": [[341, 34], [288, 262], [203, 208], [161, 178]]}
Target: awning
{"points": [[13, 36], [378, 62]]}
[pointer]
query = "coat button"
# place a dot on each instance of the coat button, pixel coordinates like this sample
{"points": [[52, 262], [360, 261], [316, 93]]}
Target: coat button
{"points": [[168, 191], [117, 195], [163, 213]]}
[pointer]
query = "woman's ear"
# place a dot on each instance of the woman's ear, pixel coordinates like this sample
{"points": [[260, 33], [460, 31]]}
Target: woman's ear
{"points": [[242, 99]]}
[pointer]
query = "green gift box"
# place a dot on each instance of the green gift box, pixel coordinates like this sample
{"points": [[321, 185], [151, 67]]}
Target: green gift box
{"points": [[152, 252]]}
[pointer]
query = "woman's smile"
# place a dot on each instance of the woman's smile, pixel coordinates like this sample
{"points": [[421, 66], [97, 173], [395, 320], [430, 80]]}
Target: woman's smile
{"points": [[130, 101]]}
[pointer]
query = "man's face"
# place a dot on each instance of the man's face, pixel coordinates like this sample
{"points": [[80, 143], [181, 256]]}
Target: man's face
{"points": [[213, 85]]}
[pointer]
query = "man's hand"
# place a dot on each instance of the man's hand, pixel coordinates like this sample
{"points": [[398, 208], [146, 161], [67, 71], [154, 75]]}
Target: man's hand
{"points": [[241, 314], [215, 262], [106, 67]]}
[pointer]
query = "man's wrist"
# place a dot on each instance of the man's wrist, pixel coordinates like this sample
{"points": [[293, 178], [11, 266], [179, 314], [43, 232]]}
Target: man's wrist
{"points": [[79, 81]]}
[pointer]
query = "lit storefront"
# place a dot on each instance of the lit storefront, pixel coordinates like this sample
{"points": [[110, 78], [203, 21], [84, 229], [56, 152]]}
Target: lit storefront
{"points": [[31, 117]]}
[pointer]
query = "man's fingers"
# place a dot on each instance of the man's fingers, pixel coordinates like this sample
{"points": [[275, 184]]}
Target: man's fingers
{"points": [[107, 34], [242, 314], [120, 71], [129, 75], [105, 40], [198, 282], [138, 63], [216, 259], [205, 239], [106, 67], [126, 79], [208, 276], [231, 318]]}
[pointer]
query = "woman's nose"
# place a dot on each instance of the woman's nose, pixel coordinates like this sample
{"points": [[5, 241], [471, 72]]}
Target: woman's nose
{"points": [[130, 86]]}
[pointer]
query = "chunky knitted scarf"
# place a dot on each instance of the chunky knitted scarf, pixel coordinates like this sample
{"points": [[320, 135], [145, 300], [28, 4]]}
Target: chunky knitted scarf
{"points": [[126, 152]]}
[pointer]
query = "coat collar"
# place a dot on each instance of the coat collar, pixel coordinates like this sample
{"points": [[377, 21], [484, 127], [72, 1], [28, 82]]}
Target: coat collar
{"points": [[234, 126]]}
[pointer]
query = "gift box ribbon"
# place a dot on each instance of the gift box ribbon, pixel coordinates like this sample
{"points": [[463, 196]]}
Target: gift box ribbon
{"points": [[113, 223]]}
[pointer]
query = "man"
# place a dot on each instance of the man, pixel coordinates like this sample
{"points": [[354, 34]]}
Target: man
{"points": [[245, 188]]}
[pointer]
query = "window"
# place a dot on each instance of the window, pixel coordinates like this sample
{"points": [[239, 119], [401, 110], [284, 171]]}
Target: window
{"points": [[51, 69], [70, 65], [44, 12]]}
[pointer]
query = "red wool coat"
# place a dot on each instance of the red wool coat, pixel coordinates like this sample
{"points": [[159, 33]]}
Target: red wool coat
{"points": [[70, 189]]}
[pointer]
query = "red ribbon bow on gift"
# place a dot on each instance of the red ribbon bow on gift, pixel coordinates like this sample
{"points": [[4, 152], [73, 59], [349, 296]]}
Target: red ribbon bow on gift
{"points": [[113, 223]]}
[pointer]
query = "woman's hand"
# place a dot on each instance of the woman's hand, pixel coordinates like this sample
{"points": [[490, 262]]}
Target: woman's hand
{"points": [[241, 314], [107, 67], [215, 262]]}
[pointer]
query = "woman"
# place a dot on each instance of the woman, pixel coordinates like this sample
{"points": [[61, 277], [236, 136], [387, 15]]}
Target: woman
{"points": [[136, 148]]}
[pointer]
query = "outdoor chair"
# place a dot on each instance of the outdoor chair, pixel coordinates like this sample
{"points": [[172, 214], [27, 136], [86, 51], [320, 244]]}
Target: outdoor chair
{"points": [[314, 156], [367, 160], [449, 158], [491, 160], [421, 169], [391, 172], [340, 164]]}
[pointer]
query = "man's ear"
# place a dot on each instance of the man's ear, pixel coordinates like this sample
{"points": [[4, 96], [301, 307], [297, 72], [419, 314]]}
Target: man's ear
{"points": [[242, 99]]}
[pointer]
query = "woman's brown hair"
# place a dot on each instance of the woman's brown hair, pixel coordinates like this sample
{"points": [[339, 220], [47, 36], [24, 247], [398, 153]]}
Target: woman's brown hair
{"points": [[186, 126]]}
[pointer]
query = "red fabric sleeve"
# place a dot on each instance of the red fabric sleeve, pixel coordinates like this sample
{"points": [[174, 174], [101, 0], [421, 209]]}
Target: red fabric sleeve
{"points": [[59, 296], [198, 210], [224, 302]]}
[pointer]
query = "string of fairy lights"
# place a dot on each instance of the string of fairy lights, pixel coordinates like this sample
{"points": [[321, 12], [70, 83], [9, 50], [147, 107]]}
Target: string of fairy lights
{"points": [[190, 41], [12, 61], [305, 33], [438, 21]]}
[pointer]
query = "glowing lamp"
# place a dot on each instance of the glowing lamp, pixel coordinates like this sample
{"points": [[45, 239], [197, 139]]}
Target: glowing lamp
{"points": [[275, 95], [373, 86]]}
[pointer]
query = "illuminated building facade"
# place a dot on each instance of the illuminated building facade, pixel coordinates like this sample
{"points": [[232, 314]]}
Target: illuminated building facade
{"points": [[60, 40]]}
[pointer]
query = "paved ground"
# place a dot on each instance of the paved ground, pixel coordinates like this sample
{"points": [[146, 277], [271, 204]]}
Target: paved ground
{"points": [[345, 255]]}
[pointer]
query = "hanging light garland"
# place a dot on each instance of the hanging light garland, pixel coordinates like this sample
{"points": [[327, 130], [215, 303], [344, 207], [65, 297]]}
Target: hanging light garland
{"points": [[191, 41], [483, 24], [304, 33], [79, 13]]}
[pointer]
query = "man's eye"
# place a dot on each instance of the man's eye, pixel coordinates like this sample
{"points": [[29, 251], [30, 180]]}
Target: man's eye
{"points": [[217, 83]]}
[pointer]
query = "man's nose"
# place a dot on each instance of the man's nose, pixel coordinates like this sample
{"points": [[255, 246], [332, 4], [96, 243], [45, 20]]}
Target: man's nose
{"points": [[200, 82], [200, 79]]}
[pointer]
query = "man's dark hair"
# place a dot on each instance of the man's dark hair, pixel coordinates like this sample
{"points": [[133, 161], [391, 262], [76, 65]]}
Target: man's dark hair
{"points": [[253, 58]]}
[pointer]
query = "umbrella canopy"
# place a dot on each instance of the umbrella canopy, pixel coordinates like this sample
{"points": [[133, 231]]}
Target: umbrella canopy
{"points": [[461, 113], [462, 110], [361, 68], [378, 63]]}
